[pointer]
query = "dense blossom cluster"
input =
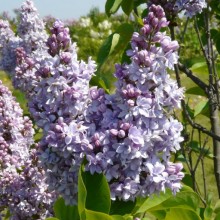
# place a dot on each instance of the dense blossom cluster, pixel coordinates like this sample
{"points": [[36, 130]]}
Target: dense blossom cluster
{"points": [[22, 181], [128, 135], [188, 7], [131, 132], [31, 35]]}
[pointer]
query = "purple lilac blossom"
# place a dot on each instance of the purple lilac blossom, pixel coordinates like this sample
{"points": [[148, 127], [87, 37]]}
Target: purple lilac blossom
{"points": [[23, 189], [188, 7], [31, 35], [131, 132]]}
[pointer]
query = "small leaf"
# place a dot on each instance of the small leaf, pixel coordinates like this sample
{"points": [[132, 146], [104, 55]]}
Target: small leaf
{"points": [[202, 106], [65, 212], [198, 65], [195, 91], [112, 6], [107, 47], [127, 6], [208, 213]]}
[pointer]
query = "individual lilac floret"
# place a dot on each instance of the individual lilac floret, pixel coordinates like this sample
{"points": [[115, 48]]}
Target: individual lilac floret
{"points": [[174, 7], [22, 182]]}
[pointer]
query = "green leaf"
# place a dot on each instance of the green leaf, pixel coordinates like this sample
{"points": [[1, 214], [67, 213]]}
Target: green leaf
{"points": [[82, 194], [65, 212], [195, 91], [188, 180], [159, 214], [127, 6], [201, 107], [120, 207], [208, 213], [98, 192], [91, 215], [181, 214], [107, 47], [185, 200], [112, 6], [198, 65], [116, 42], [154, 201]]}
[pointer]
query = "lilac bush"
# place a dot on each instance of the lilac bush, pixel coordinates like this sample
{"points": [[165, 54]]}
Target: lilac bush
{"points": [[129, 135]]}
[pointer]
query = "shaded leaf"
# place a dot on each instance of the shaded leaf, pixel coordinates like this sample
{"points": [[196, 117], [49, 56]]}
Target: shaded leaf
{"points": [[65, 212], [119, 207], [127, 6], [107, 47], [98, 192]]}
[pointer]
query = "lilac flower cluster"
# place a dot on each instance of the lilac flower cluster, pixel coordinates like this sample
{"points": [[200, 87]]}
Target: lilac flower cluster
{"points": [[31, 35], [31, 28], [63, 96], [189, 7], [22, 182], [8, 43], [129, 135]]}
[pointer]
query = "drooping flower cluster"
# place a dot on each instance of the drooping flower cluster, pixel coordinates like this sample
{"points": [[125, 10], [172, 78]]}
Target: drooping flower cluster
{"points": [[22, 182], [8, 43], [31, 35], [188, 7], [131, 132]]}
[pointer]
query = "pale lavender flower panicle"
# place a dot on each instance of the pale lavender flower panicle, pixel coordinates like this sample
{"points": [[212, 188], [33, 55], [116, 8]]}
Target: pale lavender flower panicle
{"points": [[31, 28], [8, 43], [132, 134], [23, 188]]}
